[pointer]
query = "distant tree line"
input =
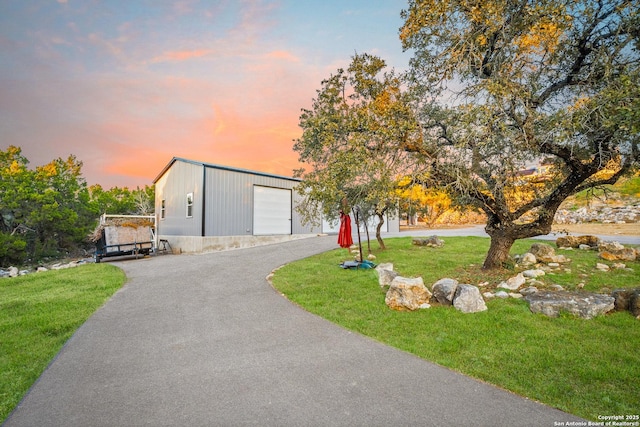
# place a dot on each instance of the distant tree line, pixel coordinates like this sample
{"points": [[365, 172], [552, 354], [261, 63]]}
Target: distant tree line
{"points": [[49, 211]]}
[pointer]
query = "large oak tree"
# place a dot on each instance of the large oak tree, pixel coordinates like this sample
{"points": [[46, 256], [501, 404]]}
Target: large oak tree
{"points": [[505, 84]]}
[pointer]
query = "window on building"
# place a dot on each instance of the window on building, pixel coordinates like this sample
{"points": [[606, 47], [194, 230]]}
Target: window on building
{"points": [[162, 209], [189, 205]]}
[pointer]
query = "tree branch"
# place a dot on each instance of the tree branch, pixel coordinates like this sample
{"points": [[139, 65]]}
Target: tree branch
{"points": [[584, 49]]}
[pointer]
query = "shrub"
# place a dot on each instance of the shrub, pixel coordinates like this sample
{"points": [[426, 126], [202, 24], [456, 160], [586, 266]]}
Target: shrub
{"points": [[12, 249]]}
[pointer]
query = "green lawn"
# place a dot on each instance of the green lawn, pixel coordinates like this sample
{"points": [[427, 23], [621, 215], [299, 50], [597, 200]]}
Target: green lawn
{"points": [[38, 314], [584, 367]]}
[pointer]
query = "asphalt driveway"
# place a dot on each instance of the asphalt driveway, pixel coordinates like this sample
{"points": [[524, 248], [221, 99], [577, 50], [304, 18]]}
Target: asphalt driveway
{"points": [[203, 340]]}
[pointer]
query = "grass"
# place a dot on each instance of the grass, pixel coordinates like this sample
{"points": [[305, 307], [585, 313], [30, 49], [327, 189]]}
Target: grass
{"points": [[584, 367], [38, 314]]}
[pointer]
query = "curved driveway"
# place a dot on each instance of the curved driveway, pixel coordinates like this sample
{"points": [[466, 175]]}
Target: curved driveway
{"points": [[203, 340]]}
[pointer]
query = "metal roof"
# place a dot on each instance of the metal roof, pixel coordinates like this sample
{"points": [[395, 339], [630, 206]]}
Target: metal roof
{"points": [[221, 167]]}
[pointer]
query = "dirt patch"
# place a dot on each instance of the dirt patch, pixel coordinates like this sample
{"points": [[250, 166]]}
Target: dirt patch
{"points": [[632, 229], [422, 226], [587, 228]]}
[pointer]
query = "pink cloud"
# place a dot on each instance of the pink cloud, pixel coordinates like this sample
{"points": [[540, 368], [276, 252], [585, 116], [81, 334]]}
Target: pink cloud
{"points": [[126, 130], [224, 132], [182, 55], [282, 54], [140, 163], [242, 144], [231, 98]]}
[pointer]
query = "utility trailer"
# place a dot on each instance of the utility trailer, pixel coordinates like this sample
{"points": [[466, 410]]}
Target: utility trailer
{"points": [[120, 235]]}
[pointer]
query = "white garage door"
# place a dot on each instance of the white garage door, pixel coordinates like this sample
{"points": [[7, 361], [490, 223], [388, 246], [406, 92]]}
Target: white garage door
{"points": [[271, 210]]}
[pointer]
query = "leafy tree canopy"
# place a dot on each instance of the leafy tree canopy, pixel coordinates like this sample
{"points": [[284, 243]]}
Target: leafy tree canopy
{"points": [[357, 115], [44, 211], [501, 85], [48, 211]]}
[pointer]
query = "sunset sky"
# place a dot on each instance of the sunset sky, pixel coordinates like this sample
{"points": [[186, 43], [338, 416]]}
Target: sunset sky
{"points": [[125, 85]]}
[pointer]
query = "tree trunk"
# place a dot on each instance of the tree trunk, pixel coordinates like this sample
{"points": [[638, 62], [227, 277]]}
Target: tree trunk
{"points": [[504, 234], [366, 227], [498, 251], [379, 229]]}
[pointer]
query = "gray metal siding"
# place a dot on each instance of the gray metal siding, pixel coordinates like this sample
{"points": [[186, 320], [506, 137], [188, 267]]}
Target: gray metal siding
{"points": [[228, 203], [296, 219], [228, 200], [181, 179]]}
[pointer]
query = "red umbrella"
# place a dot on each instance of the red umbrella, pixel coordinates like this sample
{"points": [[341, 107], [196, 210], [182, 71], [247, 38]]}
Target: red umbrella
{"points": [[344, 236]]}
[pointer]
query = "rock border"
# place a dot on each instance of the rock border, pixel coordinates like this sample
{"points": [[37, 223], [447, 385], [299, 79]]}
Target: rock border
{"points": [[541, 258]]}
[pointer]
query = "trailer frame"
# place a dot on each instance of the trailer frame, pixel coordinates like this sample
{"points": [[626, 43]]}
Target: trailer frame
{"points": [[135, 248]]}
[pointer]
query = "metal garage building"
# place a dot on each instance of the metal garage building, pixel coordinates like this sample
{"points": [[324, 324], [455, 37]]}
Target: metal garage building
{"points": [[202, 207]]}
